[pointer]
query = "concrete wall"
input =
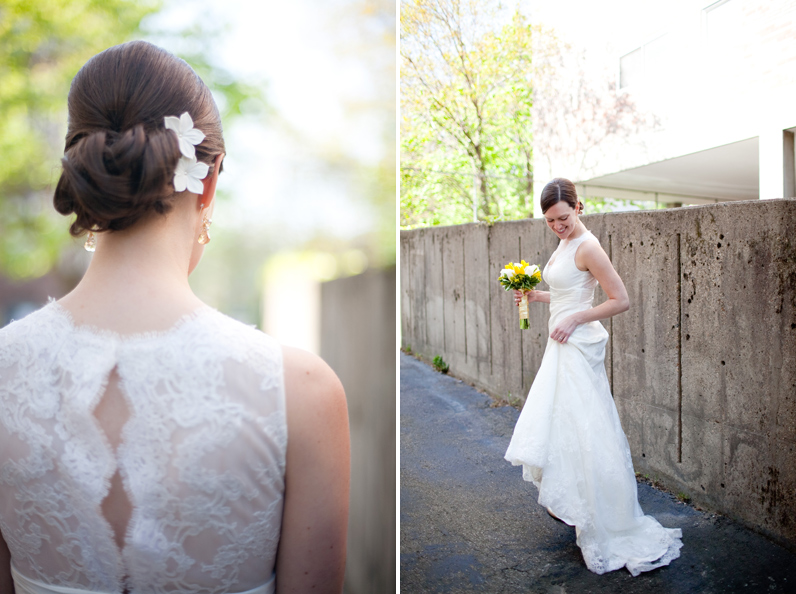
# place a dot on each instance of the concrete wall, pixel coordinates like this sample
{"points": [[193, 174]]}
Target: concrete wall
{"points": [[702, 367], [358, 341]]}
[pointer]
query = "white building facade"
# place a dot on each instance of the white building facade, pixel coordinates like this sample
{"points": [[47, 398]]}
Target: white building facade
{"points": [[720, 80]]}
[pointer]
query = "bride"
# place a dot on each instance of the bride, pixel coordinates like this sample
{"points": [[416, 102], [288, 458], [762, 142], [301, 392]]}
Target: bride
{"points": [[149, 443], [568, 438]]}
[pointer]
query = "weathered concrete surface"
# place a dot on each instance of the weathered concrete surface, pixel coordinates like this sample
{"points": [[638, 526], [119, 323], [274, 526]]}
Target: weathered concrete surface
{"points": [[358, 342], [703, 366], [469, 523]]}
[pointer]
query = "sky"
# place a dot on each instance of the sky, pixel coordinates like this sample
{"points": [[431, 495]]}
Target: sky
{"points": [[304, 53], [295, 46], [599, 25]]}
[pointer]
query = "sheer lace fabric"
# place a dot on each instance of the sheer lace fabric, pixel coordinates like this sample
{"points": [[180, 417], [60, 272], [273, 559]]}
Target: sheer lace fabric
{"points": [[202, 456], [570, 442]]}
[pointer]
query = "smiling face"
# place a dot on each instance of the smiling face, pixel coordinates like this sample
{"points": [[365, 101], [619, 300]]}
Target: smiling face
{"points": [[562, 219]]}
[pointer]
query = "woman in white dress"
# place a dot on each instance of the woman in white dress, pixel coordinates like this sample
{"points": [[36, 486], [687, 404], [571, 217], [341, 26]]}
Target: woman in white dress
{"points": [[149, 443], [568, 438]]}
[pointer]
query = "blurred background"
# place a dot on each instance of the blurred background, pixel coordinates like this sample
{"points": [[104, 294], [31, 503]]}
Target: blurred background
{"points": [[303, 236]]}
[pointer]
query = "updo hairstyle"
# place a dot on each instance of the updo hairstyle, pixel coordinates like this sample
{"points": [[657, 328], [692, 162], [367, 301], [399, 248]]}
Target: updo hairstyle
{"points": [[560, 189], [119, 159]]}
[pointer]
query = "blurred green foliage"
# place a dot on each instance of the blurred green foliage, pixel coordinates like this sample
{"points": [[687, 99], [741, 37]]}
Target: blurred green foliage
{"points": [[466, 98], [597, 205], [365, 33], [43, 43], [42, 46]]}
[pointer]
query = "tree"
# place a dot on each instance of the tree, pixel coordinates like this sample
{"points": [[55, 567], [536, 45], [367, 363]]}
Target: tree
{"points": [[480, 99], [42, 46], [466, 98]]}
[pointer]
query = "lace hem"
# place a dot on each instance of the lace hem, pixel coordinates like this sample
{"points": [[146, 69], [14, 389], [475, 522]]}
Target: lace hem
{"points": [[644, 548]]}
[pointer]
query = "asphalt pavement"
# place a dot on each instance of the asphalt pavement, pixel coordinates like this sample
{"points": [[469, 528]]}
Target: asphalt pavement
{"points": [[469, 523]]}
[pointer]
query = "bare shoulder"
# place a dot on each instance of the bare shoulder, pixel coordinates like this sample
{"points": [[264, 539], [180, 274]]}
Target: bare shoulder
{"points": [[308, 373], [310, 380], [592, 246], [590, 254], [317, 417], [312, 544]]}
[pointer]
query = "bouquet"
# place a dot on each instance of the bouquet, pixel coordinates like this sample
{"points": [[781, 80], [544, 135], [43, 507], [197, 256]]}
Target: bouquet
{"points": [[521, 277]]}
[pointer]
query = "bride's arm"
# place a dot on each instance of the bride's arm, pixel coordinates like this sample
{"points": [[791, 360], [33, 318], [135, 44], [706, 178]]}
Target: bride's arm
{"points": [[590, 256], [593, 258], [312, 547]]}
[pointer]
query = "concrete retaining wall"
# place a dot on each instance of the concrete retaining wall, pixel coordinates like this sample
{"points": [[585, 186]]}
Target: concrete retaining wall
{"points": [[702, 367], [358, 342]]}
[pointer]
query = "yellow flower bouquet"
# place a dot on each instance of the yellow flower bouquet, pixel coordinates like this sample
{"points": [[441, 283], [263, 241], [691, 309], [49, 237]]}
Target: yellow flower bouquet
{"points": [[521, 277]]}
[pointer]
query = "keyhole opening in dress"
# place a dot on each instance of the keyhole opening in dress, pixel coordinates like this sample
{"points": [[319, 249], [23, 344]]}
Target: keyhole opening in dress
{"points": [[112, 413]]}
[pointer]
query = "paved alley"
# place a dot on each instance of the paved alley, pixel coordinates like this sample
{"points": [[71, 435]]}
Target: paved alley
{"points": [[469, 523]]}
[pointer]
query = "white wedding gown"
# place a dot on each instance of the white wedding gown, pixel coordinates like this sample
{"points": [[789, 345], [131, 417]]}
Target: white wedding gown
{"points": [[202, 456], [570, 442]]}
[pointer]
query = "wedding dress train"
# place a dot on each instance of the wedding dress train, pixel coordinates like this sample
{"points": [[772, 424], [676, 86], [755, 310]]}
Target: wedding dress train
{"points": [[570, 443]]}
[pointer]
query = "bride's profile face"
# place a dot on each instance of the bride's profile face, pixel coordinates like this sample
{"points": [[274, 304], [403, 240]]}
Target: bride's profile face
{"points": [[561, 218]]}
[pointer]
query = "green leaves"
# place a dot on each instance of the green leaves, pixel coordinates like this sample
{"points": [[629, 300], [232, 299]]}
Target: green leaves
{"points": [[466, 119], [520, 282]]}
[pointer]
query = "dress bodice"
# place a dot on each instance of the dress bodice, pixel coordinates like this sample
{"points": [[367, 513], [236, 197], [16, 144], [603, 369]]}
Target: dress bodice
{"points": [[566, 281], [571, 289], [202, 455]]}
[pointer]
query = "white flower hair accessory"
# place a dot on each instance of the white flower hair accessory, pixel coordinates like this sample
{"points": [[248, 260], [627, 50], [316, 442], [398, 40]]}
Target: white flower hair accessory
{"points": [[187, 135], [189, 172]]}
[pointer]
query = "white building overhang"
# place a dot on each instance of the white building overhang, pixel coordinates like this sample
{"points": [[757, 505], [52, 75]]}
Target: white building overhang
{"points": [[727, 172]]}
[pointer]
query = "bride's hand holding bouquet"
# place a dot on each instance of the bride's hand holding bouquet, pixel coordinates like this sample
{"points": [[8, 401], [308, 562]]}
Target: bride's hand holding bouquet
{"points": [[530, 296], [521, 278]]}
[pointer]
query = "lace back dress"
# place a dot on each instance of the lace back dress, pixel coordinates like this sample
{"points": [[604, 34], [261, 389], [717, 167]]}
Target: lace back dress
{"points": [[201, 456], [570, 443]]}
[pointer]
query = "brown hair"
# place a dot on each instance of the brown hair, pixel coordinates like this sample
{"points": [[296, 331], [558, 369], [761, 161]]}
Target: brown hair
{"points": [[557, 190], [119, 159]]}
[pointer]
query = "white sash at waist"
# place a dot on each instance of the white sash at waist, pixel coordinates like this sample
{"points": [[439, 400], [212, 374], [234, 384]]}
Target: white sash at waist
{"points": [[25, 585], [581, 295]]}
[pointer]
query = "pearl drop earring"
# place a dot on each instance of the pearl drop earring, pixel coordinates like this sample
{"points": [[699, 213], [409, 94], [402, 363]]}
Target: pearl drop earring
{"points": [[91, 242], [204, 236]]}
